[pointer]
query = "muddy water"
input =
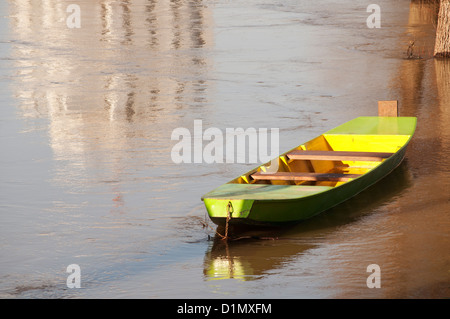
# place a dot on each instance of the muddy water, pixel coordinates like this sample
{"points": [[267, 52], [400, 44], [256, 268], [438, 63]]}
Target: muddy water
{"points": [[87, 177]]}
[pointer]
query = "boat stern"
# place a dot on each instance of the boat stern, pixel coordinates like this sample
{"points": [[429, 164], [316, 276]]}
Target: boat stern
{"points": [[219, 210]]}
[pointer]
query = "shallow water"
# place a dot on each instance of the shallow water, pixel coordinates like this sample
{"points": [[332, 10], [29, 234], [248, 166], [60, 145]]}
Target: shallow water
{"points": [[87, 176]]}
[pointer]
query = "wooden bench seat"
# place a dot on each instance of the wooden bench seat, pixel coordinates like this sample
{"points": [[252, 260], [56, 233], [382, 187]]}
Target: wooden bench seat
{"points": [[338, 155], [294, 176]]}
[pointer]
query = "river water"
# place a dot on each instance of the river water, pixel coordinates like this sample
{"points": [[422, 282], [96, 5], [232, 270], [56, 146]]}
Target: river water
{"points": [[86, 171]]}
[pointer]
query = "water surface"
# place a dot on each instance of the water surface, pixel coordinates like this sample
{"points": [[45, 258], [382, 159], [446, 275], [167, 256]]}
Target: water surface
{"points": [[87, 177]]}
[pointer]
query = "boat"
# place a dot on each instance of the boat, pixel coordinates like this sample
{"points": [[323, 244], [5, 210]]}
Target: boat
{"points": [[316, 175]]}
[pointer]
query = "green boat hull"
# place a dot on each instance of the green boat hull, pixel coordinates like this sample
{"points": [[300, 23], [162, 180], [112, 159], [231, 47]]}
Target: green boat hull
{"points": [[287, 211], [268, 204]]}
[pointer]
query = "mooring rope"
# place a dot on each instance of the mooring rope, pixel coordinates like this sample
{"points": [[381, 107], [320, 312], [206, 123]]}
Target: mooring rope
{"points": [[205, 224], [229, 212]]}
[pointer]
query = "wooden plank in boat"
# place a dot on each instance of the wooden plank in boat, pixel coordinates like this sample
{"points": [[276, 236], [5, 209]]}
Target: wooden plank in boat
{"points": [[338, 155], [294, 176]]}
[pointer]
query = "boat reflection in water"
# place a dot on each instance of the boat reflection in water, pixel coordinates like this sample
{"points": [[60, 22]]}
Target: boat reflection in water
{"points": [[250, 258], [252, 253]]}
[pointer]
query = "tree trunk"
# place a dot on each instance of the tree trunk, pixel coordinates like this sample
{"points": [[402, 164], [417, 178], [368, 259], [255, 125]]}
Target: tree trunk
{"points": [[442, 45]]}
